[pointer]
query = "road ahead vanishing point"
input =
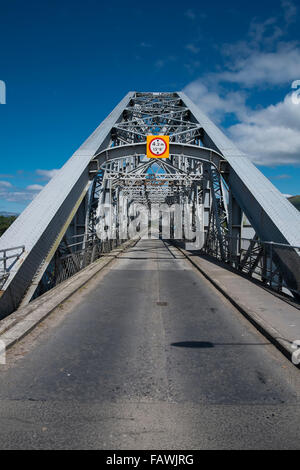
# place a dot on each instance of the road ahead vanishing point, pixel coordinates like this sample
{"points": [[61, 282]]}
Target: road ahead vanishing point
{"points": [[149, 355], [149, 294]]}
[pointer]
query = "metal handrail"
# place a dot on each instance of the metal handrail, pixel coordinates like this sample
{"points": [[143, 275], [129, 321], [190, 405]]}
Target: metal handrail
{"points": [[4, 258], [13, 248], [263, 242], [255, 258]]}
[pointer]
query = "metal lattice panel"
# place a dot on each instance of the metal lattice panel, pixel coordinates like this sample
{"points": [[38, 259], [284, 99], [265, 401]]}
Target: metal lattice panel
{"points": [[204, 171]]}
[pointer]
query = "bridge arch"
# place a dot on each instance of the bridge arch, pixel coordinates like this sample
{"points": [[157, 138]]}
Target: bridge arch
{"points": [[63, 207]]}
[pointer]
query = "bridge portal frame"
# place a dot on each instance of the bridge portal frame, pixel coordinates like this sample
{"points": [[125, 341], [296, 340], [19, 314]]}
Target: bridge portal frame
{"points": [[43, 224]]}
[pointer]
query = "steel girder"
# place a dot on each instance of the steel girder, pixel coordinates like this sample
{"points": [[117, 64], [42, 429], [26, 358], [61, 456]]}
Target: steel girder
{"points": [[194, 140], [272, 216], [42, 225]]}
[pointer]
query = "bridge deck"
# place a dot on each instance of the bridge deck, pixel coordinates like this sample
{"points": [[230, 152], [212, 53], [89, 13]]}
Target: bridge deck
{"points": [[277, 316], [149, 355]]}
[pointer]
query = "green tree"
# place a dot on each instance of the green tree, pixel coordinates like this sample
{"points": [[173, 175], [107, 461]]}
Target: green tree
{"points": [[5, 222]]}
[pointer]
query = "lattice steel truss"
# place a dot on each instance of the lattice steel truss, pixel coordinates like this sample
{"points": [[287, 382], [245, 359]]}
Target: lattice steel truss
{"points": [[140, 180], [205, 174]]}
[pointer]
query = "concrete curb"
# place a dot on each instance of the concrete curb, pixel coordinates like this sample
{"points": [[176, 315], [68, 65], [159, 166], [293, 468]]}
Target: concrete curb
{"points": [[272, 334], [21, 322]]}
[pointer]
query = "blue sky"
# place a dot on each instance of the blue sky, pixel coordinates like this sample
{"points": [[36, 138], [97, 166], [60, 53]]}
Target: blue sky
{"points": [[66, 64]]}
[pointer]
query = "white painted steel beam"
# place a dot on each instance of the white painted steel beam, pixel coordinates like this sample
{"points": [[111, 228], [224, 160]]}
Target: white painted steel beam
{"points": [[272, 216], [44, 220]]}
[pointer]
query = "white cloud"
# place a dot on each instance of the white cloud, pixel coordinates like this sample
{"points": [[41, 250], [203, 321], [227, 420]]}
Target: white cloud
{"points": [[272, 135], [16, 195], [215, 104], [263, 58], [290, 11], [11, 193], [47, 174], [5, 184], [283, 176], [34, 187], [269, 136], [264, 68]]}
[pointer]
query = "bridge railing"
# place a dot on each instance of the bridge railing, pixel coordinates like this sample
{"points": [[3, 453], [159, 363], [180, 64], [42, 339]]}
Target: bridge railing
{"points": [[79, 252], [90, 250], [268, 262], [8, 258]]}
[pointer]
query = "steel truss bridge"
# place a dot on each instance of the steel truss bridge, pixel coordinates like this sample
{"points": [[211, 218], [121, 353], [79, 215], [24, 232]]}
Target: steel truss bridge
{"points": [[206, 187]]}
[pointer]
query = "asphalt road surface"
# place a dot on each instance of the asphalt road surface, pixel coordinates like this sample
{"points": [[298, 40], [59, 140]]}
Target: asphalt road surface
{"points": [[148, 356]]}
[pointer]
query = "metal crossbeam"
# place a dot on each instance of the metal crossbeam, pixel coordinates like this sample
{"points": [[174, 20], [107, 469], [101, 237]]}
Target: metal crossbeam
{"points": [[204, 169]]}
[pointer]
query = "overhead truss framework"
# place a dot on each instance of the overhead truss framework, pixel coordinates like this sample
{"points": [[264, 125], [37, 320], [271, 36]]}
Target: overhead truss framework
{"points": [[204, 170]]}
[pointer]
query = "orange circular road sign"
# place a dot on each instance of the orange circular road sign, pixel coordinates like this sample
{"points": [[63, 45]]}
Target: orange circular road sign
{"points": [[157, 146]]}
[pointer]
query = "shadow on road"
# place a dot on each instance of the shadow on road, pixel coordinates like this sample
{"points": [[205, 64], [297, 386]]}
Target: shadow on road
{"points": [[207, 344]]}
